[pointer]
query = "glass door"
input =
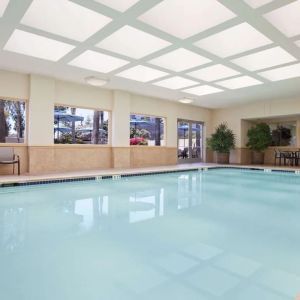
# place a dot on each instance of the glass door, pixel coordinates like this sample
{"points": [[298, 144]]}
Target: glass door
{"points": [[190, 141]]}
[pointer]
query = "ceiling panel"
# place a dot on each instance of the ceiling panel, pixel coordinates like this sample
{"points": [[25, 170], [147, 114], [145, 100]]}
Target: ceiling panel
{"points": [[121, 5], [3, 6], [180, 60], [203, 90], [34, 45], [176, 83], [98, 62], [64, 18], [239, 82], [282, 73], [265, 59], [286, 18], [132, 42], [213, 73], [234, 40], [186, 18], [142, 73]]}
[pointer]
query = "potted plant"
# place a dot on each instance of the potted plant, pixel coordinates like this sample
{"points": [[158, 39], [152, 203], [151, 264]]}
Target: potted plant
{"points": [[222, 141], [259, 139]]}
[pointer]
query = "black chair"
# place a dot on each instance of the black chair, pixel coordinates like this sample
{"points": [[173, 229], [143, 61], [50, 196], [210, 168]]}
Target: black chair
{"points": [[7, 157], [291, 158], [297, 158], [278, 156]]}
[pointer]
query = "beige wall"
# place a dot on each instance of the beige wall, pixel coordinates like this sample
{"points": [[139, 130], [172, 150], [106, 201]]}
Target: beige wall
{"points": [[39, 153], [239, 119], [43, 93], [14, 85]]}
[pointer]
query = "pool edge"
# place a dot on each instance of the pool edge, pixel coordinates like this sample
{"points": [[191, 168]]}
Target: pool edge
{"points": [[120, 174]]}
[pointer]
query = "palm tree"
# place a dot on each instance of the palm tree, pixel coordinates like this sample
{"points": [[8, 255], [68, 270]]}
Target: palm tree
{"points": [[96, 127], [3, 122], [17, 113], [73, 112], [157, 131]]}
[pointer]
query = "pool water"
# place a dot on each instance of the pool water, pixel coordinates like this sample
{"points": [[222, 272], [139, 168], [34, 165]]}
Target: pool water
{"points": [[220, 234]]}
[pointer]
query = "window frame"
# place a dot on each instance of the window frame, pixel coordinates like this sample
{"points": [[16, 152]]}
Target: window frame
{"points": [[109, 131], [282, 123], [151, 116], [26, 101]]}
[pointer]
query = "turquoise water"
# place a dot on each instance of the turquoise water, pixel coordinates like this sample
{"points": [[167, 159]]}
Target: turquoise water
{"points": [[221, 234]]}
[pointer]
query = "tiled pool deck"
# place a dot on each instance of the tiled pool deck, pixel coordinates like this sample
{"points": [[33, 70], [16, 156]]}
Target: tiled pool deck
{"points": [[91, 174]]}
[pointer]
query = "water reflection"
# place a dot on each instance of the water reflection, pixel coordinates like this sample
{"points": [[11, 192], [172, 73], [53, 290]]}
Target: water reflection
{"points": [[13, 228], [173, 236], [79, 209]]}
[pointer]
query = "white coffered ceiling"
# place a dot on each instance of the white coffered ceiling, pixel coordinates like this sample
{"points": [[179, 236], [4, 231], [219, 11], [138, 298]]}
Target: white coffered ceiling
{"points": [[218, 52]]}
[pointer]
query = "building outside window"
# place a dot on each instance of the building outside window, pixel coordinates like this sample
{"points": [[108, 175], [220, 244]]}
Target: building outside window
{"points": [[73, 125], [147, 130], [12, 121]]}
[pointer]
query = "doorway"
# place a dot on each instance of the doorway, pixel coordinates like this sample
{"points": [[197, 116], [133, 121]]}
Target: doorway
{"points": [[189, 141]]}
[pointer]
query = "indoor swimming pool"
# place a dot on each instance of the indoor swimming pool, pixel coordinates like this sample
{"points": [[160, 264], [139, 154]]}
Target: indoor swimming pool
{"points": [[227, 234]]}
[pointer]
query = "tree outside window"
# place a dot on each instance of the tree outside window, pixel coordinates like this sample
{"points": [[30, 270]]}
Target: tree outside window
{"points": [[146, 130], [12, 121], [73, 125]]}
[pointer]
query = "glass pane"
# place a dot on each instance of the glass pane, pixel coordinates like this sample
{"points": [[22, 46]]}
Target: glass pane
{"points": [[12, 121], [283, 134], [147, 131], [196, 140], [80, 126], [183, 140]]}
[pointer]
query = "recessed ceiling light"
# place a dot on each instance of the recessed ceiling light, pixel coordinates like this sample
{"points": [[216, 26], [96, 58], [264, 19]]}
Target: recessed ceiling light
{"points": [[176, 83], [239, 82], [215, 72], [3, 6], [225, 42], [186, 18], [142, 73], [132, 42], [95, 81], [286, 18], [37, 46], [203, 90], [257, 3], [98, 62], [282, 73], [180, 60], [64, 18], [264, 59], [186, 100], [120, 5]]}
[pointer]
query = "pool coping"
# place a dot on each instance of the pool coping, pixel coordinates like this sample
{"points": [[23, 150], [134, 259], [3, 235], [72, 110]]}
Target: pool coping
{"points": [[118, 174]]}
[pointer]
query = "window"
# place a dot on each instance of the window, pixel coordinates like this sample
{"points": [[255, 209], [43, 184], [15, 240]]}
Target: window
{"points": [[147, 131], [12, 121], [283, 134], [74, 125]]}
